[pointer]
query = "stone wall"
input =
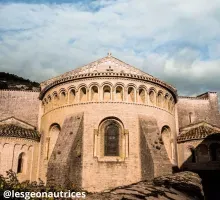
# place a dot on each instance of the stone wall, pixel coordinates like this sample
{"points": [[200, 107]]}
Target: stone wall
{"points": [[23, 105], [65, 164], [154, 157], [202, 108]]}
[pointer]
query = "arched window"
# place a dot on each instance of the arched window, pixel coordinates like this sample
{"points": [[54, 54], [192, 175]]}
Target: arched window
{"points": [[106, 93], [215, 151], [83, 94], [142, 95], [111, 139], [152, 97], [166, 137], [131, 94], [119, 93], [21, 160], [52, 139], [202, 153], [72, 96], [94, 93]]}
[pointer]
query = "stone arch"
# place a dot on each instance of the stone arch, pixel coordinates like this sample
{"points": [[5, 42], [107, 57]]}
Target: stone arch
{"points": [[111, 130], [107, 92], [119, 93], [202, 153], [160, 99], [166, 137], [54, 132], [215, 151], [94, 92], [83, 94], [142, 91], [72, 95], [49, 102], [22, 162], [152, 96]]}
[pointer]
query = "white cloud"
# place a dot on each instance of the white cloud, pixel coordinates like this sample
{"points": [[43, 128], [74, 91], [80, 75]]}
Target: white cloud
{"points": [[178, 41]]}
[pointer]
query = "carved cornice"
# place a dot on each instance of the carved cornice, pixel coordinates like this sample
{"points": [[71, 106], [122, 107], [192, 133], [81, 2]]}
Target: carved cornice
{"points": [[109, 102], [112, 75]]}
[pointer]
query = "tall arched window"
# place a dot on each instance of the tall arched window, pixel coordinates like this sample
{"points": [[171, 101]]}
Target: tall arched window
{"points": [[52, 139], [166, 137], [83, 94], [21, 161], [215, 151], [190, 117], [142, 95], [119, 93], [131, 94], [94, 93], [112, 139], [106, 93]]}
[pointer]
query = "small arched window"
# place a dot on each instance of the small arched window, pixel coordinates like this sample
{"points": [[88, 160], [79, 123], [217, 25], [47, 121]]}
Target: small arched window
{"points": [[107, 93], [21, 160], [83, 94], [159, 99], [119, 93], [141, 93], [72, 96], [94, 93], [62, 97], [131, 94], [152, 97]]}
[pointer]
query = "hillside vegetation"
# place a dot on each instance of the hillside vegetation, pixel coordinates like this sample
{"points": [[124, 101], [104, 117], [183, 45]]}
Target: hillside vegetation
{"points": [[14, 82]]}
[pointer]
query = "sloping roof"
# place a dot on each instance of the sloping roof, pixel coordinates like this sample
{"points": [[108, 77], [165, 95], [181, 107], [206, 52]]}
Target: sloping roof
{"points": [[197, 131], [108, 63], [11, 130]]}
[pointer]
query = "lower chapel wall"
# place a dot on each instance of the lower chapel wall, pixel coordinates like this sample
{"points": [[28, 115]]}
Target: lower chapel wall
{"points": [[11, 149], [23, 105], [99, 174]]}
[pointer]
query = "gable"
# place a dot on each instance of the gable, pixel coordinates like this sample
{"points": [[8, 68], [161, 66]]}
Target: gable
{"points": [[15, 121]]}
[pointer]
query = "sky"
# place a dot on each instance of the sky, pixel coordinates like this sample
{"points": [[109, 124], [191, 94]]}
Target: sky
{"points": [[174, 40]]}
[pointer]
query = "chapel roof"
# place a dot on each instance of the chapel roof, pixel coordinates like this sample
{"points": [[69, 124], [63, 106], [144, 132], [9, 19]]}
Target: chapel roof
{"points": [[12, 130], [107, 66], [197, 131]]}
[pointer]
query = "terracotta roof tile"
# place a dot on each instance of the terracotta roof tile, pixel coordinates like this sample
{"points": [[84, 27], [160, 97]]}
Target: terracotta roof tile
{"points": [[11, 130], [199, 132]]}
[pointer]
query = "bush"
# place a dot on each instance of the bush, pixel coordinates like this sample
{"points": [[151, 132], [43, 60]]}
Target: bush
{"points": [[11, 182]]}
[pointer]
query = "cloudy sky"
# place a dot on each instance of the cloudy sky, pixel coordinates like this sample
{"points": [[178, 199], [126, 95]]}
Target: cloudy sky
{"points": [[175, 40]]}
